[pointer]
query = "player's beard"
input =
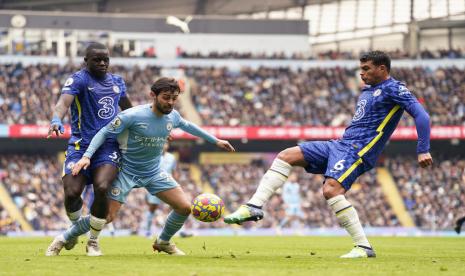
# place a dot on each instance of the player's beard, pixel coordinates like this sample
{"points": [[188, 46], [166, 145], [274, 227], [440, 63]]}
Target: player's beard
{"points": [[160, 108]]}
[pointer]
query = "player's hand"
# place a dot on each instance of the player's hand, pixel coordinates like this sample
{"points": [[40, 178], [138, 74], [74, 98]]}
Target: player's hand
{"points": [[56, 126], [169, 138], [81, 164], [425, 160], [225, 145]]}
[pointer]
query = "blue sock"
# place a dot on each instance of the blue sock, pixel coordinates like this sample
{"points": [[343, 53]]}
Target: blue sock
{"points": [[174, 222], [149, 218], [80, 227]]}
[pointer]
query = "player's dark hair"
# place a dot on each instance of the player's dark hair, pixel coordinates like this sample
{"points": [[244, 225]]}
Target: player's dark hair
{"points": [[95, 46], [165, 84], [378, 58]]}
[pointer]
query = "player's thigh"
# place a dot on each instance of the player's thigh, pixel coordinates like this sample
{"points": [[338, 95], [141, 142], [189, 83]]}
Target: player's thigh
{"points": [[74, 185], [113, 208], [315, 154], [104, 166], [121, 187], [103, 176], [177, 199], [344, 167]]}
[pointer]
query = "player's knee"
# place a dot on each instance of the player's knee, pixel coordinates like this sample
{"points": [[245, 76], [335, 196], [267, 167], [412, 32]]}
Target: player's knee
{"points": [[101, 188], [332, 188], [293, 156], [183, 209]]}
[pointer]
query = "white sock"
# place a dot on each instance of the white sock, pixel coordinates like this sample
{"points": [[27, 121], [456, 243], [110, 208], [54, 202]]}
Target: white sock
{"points": [[74, 216], [272, 180], [96, 225], [348, 218]]}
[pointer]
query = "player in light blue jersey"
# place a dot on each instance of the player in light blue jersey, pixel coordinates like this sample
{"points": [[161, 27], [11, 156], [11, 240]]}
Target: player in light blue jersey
{"points": [[142, 132], [93, 95], [292, 200], [379, 109]]}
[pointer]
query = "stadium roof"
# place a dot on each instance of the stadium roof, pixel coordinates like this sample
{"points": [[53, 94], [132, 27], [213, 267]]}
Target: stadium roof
{"points": [[178, 7]]}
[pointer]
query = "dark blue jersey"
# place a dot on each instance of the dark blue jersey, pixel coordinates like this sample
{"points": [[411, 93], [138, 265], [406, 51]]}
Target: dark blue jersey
{"points": [[378, 112], [95, 104]]}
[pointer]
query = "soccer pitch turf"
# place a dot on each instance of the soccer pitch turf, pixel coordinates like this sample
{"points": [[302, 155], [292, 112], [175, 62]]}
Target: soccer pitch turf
{"points": [[238, 256]]}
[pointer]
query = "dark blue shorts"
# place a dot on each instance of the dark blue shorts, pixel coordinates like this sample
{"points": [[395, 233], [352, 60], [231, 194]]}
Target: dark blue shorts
{"points": [[108, 153], [335, 159]]}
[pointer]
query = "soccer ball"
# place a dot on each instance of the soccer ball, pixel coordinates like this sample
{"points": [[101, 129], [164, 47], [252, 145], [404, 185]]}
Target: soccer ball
{"points": [[207, 207]]}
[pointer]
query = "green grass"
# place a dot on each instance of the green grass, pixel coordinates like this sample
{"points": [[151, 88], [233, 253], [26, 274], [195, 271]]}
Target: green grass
{"points": [[238, 256]]}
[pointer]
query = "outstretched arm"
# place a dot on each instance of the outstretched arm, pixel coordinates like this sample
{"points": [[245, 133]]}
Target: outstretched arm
{"points": [[62, 106], [118, 125], [422, 123], [193, 129]]}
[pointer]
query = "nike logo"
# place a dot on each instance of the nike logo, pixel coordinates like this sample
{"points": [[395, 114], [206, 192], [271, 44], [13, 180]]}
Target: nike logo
{"points": [[90, 88]]}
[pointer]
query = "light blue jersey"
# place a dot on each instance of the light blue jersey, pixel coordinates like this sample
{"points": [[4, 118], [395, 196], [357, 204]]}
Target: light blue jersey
{"points": [[141, 135], [291, 193], [292, 199]]}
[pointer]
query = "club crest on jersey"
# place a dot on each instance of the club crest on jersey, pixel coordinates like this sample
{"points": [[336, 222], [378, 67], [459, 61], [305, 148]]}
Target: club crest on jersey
{"points": [[377, 93], [69, 81], [169, 126], [116, 89], [115, 191], [70, 165]]}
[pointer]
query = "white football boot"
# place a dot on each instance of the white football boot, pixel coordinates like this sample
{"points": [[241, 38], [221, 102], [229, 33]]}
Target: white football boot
{"points": [[167, 247], [360, 252], [93, 248], [55, 247]]}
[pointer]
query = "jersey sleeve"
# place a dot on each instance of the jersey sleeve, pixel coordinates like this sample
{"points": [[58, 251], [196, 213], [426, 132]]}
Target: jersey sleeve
{"points": [[122, 86], [118, 125], [400, 95], [74, 85]]}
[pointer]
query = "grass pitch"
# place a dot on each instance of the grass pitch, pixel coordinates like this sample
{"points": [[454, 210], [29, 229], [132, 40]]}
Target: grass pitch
{"points": [[238, 256]]}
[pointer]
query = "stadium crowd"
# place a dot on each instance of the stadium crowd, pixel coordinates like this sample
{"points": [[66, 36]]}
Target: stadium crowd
{"points": [[285, 97], [434, 197], [267, 96]]}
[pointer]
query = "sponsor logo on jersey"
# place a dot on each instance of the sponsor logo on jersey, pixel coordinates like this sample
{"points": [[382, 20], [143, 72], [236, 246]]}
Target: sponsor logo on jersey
{"points": [[142, 125], [360, 112], [69, 81], [403, 90], [116, 89], [377, 93]]}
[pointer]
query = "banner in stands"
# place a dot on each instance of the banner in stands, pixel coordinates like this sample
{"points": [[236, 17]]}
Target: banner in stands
{"points": [[259, 133]]}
